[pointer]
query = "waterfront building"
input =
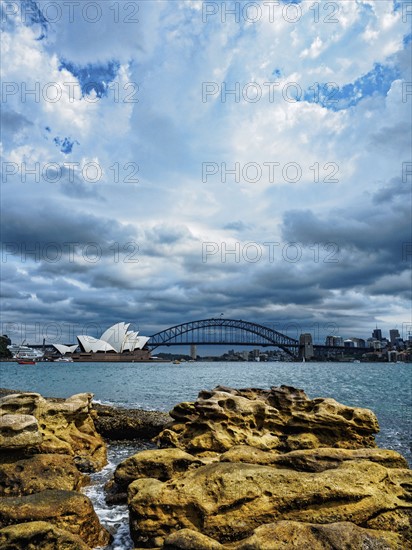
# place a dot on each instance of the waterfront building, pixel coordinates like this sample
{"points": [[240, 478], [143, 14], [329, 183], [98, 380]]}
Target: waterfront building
{"points": [[117, 343], [399, 343], [377, 334], [349, 343], [64, 350], [374, 344], [359, 342], [334, 341]]}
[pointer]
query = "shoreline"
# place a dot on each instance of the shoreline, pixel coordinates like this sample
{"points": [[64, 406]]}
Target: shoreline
{"points": [[115, 423], [234, 469]]}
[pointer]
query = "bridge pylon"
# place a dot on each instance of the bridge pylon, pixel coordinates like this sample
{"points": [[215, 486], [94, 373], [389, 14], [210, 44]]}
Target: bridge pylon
{"points": [[306, 350]]}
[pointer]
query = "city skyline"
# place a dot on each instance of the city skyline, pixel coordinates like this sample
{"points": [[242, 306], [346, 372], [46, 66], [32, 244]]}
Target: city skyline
{"points": [[55, 333]]}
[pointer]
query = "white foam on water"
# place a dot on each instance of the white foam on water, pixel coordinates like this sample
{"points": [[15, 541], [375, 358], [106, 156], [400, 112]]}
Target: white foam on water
{"points": [[115, 518], [129, 405]]}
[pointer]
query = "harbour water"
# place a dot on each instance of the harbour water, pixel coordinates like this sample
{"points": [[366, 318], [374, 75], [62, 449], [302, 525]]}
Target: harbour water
{"points": [[385, 388]]}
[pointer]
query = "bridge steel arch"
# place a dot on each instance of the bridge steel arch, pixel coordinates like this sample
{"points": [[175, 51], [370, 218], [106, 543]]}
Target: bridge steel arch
{"points": [[223, 331]]}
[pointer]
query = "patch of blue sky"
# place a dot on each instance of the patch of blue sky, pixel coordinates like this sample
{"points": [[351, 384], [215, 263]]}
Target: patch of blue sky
{"points": [[397, 4], [28, 13], [407, 39], [377, 81], [65, 144], [95, 78]]}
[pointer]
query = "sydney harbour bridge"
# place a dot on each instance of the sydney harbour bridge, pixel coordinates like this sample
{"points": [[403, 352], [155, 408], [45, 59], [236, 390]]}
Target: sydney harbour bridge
{"points": [[236, 332]]}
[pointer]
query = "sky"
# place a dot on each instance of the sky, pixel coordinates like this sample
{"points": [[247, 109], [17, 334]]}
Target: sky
{"points": [[167, 161]]}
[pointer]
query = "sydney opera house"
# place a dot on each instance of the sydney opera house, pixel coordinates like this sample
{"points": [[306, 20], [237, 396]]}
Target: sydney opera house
{"points": [[117, 343]]}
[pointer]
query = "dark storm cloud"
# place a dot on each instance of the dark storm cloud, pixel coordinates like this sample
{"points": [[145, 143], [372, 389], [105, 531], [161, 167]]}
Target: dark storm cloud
{"points": [[8, 292], [371, 240], [55, 224], [163, 240], [389, 193], [51, 296], [400, 285], [370, 230], [269, 284]]}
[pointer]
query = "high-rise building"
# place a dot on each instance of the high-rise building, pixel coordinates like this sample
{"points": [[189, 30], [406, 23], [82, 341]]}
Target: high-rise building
{"points": [[349, 343], [334, 341], [359, 342], [399, 343], [377, 334], [393, 334]]}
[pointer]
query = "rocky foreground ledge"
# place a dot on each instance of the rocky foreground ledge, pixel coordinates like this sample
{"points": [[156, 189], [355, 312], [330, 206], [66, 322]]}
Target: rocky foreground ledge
{"points": [[118, 423], [46, 445], [267, 470], [237, 469]]}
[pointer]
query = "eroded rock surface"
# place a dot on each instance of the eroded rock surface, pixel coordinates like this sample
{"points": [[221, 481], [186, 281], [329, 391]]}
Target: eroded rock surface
{"points": [[313, 460], [118, 424], [277, 470], [39, 473], [18, 431], [39, 535], [162, 464], [281, 418], [287, 535], [66, 510], [226, 501], [51, 426], [45, 444]]}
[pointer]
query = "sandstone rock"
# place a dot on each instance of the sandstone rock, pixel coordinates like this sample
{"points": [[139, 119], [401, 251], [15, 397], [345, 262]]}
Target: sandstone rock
{"points": [[38, 473], [119, 424], [282, 418], [19, 431], [37, 535], [226, 501], [250, 455], [65, 509], [187, 539], [160, 464], [399, 521], [65, 426], [285, 535], [20, 403], [313, 460]]}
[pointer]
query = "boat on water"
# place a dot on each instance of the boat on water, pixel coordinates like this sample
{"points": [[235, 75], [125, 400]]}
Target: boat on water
{"points": [[25, 355], [63, 360], [26, 361]]}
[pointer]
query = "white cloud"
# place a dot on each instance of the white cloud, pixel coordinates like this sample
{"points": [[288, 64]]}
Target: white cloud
{"points": [[170, 131]]}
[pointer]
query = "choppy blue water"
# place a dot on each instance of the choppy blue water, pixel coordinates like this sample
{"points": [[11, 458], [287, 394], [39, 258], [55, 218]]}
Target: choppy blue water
{"points": [[383, 387]]}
